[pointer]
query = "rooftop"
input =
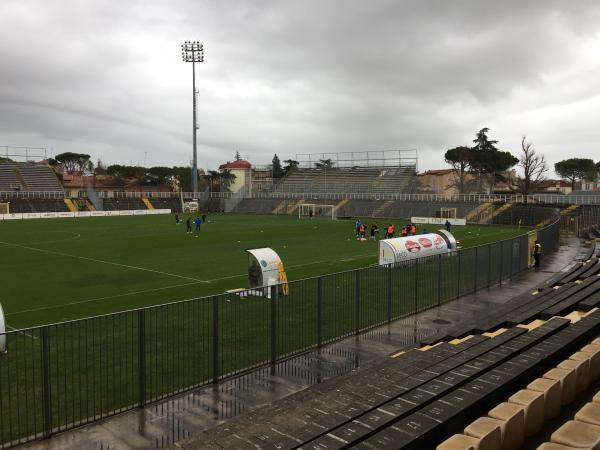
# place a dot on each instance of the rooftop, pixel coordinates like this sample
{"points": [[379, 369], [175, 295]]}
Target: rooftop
{"points": [[239, 164]]}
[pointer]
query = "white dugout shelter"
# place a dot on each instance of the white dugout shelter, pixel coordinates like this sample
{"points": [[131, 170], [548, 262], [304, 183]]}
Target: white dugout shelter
{"points": [[401, 249], [2, 331]]}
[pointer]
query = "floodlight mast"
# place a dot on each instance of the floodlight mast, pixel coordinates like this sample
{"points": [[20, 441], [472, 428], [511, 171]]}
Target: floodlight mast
{"points": [[193, 51]]}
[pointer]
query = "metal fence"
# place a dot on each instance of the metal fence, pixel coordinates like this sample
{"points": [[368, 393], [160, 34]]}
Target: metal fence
{"points": [[60, 376], [552, 199], [557, 199]]}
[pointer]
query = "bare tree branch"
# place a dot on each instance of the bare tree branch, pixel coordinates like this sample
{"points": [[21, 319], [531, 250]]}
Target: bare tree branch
{"points": [[534, 168]]}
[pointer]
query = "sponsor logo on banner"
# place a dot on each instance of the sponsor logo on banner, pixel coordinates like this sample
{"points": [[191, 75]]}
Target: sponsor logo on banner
{"points": [[438, 241], [425, 242], [13, 216], [65, 214], [437, 221], [412, 246]]}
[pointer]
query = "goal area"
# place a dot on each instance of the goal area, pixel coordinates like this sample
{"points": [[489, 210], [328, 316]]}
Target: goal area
{"points": [[313, 210]]}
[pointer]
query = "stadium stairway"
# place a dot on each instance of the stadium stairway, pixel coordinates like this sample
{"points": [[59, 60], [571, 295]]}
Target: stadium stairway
{"points": [[568, 210], [280, 207], [497, 212], [147, 203], [380, 211], [340, 205], [293, 207], [480, 211], [21, 178], [70, 205]]}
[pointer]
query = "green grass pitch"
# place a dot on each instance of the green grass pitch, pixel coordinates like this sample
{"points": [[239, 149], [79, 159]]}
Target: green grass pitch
{"points": [[60, 269]]}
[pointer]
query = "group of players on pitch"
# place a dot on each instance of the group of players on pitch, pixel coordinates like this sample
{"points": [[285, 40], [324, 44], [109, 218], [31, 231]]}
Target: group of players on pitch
{"points": [[409, 229], [198, 221], [390, 231]]}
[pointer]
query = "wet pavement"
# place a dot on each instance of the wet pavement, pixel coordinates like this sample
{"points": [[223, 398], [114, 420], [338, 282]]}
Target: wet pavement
{"points": [[161, 424]]}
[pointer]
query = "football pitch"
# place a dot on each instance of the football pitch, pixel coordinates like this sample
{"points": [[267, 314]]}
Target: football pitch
{"points": [[61, 269]]}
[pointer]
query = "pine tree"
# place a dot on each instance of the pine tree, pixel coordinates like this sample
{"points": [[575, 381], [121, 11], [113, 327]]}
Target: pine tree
{"points": [[277, 169]]}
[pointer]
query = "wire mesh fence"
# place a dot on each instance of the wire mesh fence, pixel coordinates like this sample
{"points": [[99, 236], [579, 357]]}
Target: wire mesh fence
{"points": [[56, 377]]}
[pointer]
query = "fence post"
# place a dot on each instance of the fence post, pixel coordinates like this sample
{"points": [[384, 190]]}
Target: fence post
{"points": [[389, 293], [501, 261], [215, 338], [141, 357], [274, 290], [489, 246], [357, 301], [439, 280], [416, 285], [510, 270], [319, 311], [45, 347], [458, 277], [476, 269]]}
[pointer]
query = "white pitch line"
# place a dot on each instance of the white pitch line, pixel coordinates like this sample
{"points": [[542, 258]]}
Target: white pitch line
{"points": [[328, 261], [164, 288], [71, 238], [19, 331], [91, 300], [104, 262]]}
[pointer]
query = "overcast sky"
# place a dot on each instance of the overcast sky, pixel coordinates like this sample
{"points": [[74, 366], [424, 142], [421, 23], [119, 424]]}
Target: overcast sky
{"points": [[106, 77]]}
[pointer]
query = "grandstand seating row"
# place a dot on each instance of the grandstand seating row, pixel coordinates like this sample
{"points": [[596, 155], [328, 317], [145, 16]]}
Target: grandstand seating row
{"points": [[37, 205], [174, 204], [395, 180], [8, 178], [356, 208], [113, 204], [524, 414], [28, 177], [416, 400], [421, 397], [57, 205], [509, 214], [584, 431], [578, 287]]}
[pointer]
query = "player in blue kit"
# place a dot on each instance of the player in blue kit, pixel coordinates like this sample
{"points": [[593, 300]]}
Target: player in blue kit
{"points": [[197, 222]]}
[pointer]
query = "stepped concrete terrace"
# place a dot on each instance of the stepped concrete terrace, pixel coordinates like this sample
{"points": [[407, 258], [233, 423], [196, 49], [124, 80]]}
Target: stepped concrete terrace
{"points": [[186, 420]]}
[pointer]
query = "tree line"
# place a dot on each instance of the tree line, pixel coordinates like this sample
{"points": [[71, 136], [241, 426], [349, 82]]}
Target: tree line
{"points": [[80, 163], [478, 167]]}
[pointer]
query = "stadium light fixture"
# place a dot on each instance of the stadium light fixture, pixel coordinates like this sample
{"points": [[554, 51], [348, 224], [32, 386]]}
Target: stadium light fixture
{"points": [[193, 51]]}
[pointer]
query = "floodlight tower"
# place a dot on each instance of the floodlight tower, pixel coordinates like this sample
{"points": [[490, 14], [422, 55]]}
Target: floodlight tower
{"points": [[193, 51]]}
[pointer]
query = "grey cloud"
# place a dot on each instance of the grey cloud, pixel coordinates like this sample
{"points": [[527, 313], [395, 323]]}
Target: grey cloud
{"points": [[292, 77]]}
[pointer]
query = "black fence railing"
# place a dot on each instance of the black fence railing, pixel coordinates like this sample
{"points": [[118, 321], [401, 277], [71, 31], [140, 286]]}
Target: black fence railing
{"points": [[60, 376]]}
